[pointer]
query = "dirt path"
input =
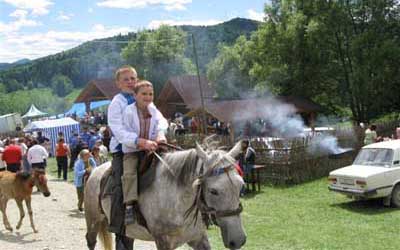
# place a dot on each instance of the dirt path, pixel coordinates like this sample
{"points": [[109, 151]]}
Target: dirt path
{"points": [[60, 224]]}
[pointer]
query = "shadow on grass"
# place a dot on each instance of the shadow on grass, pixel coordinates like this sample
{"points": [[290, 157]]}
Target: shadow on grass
{"points": [[371, 207], [16, 238]]}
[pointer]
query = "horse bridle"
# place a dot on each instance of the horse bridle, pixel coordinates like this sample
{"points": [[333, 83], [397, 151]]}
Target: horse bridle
{"points": [[210, 214]]}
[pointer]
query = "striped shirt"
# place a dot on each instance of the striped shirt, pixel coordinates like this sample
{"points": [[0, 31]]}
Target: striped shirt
{"points": [[144, 122]]}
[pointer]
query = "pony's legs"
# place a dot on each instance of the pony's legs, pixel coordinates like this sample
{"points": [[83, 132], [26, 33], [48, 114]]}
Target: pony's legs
{"points": [[3, 208], [201, 244], [21, 212], [28, 205]]}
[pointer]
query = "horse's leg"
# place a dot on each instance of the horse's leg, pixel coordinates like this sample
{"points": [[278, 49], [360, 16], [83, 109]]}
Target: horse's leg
{"points": [[3, 207], [201, 244], [28, 205], [162, 243], [91, 236], [21, 212]]}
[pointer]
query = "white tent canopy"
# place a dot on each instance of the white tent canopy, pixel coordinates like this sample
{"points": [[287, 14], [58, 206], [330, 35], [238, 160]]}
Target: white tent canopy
{"points": [[34, 112]]}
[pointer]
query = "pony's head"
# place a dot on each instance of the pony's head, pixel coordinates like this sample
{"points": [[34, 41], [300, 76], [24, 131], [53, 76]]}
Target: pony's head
{"points": [[40, 181], [219, 194]]}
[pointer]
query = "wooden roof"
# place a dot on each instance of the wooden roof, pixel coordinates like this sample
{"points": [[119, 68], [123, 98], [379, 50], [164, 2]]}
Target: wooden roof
{"points": [[98, 89], [183, 92]]}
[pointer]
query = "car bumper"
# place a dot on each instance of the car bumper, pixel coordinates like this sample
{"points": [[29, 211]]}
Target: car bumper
{"points": [[354, 192]]}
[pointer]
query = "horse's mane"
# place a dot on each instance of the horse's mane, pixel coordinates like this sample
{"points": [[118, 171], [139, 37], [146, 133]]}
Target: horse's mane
{"points": [[183, 165], [22, 176]]}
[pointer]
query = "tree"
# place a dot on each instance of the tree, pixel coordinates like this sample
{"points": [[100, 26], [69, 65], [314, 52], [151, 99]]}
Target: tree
{"points": [[61, 85], [229, 71], [158, 55]]}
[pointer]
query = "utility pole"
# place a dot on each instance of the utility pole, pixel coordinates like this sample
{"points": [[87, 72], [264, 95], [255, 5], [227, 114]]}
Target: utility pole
{"points": [[203, 111]]}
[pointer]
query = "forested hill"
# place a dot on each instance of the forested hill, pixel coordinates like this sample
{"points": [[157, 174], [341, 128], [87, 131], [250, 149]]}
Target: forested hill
{"points": [[5, 66], [98, 58]]}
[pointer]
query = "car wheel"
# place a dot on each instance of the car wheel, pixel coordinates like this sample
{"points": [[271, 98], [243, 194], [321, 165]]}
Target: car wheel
{"points": [[396, 196]]}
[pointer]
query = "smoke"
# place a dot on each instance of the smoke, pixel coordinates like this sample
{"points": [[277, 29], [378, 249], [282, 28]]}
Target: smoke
{"points": [[276, 118], [324, 144]]}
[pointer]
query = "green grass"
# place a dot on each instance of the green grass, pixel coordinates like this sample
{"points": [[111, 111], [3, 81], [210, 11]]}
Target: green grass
{"points": [[52, 169], [310, 217]]}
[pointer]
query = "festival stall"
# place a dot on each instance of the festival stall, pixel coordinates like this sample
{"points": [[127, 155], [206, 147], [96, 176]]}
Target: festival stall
{"points": [[51, 128]]}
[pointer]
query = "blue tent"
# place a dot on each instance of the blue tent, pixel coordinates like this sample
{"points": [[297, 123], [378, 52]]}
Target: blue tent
{"points": [[79, 108]]}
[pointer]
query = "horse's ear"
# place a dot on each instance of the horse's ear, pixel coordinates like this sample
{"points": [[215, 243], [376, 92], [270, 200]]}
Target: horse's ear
{"points": [[200, 152], [236, 150]]}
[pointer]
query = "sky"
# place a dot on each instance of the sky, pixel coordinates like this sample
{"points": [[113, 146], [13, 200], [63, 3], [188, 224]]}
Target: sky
{"points": [[36, 28]]}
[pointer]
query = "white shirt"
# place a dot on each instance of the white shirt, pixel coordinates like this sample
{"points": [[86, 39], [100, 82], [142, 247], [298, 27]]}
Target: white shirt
{"points": [[24, 148], [103, 150], [2, 163], [131, 123], [114, 118], [37, 154]]}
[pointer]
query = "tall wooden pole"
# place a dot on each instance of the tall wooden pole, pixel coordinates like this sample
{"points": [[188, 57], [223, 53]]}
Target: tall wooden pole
{"points": [[203, 112]]}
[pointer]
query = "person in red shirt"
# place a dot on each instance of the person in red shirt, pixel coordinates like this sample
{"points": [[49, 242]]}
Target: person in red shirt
{"points": [[62, 154], [12, 155]]}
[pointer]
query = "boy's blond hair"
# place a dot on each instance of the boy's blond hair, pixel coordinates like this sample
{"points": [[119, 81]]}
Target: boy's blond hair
{"points": [[142, 84], [123, 69]]}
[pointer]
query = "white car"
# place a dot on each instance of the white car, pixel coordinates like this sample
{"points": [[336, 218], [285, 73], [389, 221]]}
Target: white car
{"points": [[375, 173]]}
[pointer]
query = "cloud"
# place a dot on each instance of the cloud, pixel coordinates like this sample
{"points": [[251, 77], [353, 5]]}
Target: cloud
{"points": [[252, 14], [16, 46], [63, 16], [157, 23], [38, 7], [90, 10], [22, 21], [136, 4]]}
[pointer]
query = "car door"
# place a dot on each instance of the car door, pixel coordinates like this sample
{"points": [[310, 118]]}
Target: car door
{"points": [[393, 174]]}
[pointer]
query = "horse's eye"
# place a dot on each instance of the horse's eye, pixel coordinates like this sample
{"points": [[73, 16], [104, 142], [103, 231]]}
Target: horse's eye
{"points": [[213, 191]]}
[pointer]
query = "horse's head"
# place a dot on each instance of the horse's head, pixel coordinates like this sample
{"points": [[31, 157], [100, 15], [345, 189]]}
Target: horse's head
{"points": [[40, 181], [220, 187]]}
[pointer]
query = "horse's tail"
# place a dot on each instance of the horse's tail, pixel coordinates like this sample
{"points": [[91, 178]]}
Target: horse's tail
{"points": [[105, 236]]}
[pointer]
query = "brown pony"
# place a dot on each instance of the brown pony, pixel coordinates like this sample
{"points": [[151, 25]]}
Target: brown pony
{"points": [[19, 186]]}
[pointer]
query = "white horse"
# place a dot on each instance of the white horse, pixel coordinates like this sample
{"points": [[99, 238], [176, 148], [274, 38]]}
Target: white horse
{"points": [[191, 188]]}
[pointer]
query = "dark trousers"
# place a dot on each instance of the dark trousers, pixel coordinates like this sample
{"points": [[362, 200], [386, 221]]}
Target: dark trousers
{"points": [[79, 192], [74, 155], [62, 165], [117, 215], [14, 167]]}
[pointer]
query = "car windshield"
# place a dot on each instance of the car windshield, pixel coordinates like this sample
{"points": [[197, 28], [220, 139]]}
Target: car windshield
{"points": [[375, 156]]}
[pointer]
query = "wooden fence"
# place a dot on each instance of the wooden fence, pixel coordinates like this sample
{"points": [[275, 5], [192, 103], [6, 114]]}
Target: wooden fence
{"points": [[294, 161]]}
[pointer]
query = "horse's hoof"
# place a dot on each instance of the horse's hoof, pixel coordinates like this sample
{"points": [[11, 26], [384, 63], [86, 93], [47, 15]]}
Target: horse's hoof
{"points": [[18, 227], [9, 229], [35, 231]]}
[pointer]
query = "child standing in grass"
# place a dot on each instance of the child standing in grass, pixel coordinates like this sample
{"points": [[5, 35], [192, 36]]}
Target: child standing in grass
{"points": [[83, 166]]}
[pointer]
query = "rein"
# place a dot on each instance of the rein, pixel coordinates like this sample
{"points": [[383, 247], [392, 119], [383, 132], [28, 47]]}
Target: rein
{"points": [[170, 146]]}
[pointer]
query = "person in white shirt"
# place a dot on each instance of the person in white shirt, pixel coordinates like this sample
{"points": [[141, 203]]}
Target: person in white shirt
{"points": [[144, 123], [37, 156], [103, 149], [2, 163], [25, 164], [125, 78]]}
